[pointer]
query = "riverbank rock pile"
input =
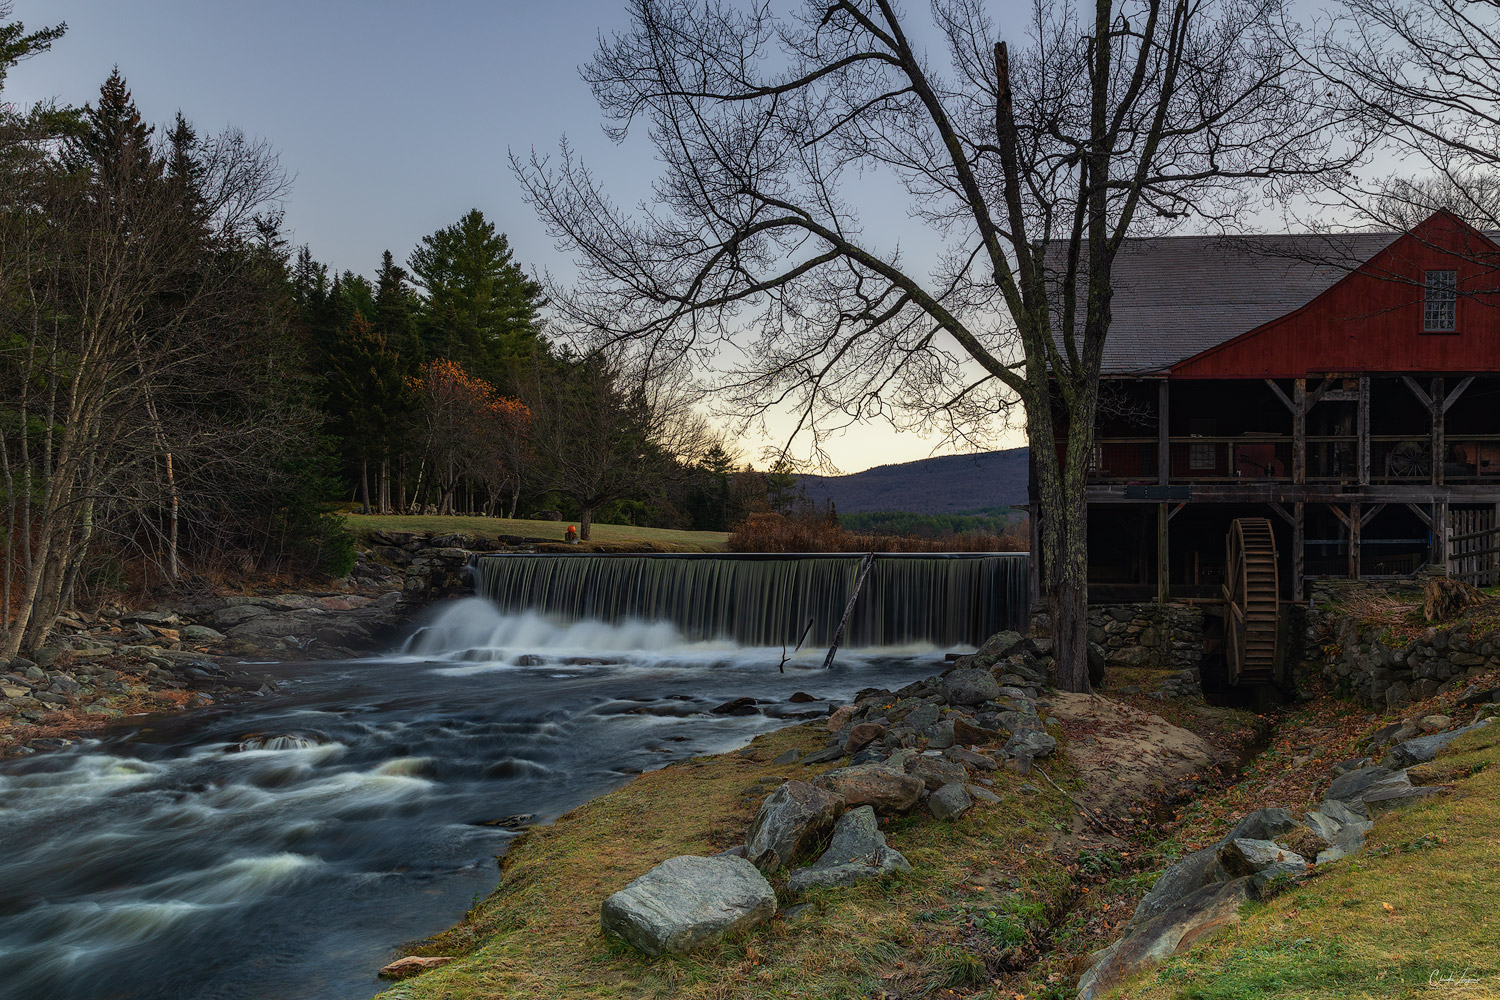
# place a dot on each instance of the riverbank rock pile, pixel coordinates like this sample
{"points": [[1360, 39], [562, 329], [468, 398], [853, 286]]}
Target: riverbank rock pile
{"points": [[929, 745], [1266, 851], [168, 659]]}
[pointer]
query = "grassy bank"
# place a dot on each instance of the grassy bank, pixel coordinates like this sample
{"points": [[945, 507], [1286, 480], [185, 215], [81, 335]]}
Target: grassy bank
{"points": [[980, 891], [1420, 904], [604, 535]]}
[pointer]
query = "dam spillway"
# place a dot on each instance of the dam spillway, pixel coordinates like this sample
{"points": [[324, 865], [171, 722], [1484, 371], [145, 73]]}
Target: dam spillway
{"points": [[768, 599]]}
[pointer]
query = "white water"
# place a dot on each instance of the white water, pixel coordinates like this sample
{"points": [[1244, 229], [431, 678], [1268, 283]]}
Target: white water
{"points": [[164, 861]]}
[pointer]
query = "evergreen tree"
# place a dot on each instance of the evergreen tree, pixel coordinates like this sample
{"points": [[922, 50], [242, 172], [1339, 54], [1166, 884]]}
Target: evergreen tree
{"points": [[396, 307], [481, 308], [115, 143]]}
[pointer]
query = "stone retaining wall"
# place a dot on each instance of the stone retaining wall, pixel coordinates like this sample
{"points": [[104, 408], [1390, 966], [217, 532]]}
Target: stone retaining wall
{"points": [[1385, 671]]}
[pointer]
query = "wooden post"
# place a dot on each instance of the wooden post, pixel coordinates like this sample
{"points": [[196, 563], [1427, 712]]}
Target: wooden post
{"points": [[1299, 544], [1438, 447], [1354, 526], [1363, 441], [1163, 435], [1299, 432], [1163, 575], [1440, 534]]}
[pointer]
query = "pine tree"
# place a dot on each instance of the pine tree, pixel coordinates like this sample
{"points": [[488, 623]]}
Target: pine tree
{"points": [[115, 142], [396, 308], [481, 308]]}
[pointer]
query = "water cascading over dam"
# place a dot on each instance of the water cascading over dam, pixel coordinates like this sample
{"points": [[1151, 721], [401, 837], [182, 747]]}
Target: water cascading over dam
{"points": [[768, 599]]}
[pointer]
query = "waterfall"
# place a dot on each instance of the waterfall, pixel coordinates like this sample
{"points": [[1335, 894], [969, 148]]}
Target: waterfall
{"points": [[767, 600]]}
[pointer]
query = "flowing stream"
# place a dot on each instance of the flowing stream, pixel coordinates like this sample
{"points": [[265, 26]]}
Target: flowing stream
{"points": [[284, 847]]}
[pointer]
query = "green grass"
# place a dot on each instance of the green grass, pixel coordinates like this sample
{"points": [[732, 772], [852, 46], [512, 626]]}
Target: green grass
{"points": [[1421, 903], [978, 889], [605, 536]]}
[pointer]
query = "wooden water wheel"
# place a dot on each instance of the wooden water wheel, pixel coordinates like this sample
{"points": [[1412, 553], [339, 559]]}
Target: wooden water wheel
{"points": [[1251, 596]]}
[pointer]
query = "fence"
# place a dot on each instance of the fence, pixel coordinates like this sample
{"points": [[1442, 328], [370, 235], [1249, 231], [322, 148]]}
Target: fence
{"points": [[1474, 547]]}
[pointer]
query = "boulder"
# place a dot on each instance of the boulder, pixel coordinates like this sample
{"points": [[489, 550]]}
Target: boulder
{"points": [[941, 735], [1263, 824], [840, 718], [686, 902], [1243, 856], [970, 759], [857, 852], [236, 614], [736, 706], [201, 633], [411, 965], [885, 788], [1377, 788], [863, 735], [1425, 748], [1185, 877], [790, 820], [950, 802], [161, 619], [936, 772], [969, 686], [1198, 913], [1030, 743], [974, 732]]}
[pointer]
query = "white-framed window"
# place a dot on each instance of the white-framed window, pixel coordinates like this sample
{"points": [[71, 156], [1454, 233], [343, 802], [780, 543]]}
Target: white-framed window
{"points": [[1202, 456], [1440, 302]]}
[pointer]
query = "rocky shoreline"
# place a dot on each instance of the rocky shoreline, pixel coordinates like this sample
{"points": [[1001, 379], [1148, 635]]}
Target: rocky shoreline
{"points": [[196, 651]]}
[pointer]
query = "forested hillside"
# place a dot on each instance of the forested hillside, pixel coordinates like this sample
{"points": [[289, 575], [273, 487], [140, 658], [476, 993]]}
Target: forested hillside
{"points": [[987, 482]]}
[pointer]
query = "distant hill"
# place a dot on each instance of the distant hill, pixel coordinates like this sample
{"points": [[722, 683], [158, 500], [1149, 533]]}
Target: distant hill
{"points": [[950, 484]]}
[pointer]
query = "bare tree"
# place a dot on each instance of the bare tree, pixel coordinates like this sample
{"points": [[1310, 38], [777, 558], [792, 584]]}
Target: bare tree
{"points": [[1030, 164], [609, 428], [1422, 74], [128, 280]]}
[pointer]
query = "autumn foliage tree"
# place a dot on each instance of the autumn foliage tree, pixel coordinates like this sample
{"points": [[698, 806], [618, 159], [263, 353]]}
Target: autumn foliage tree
{"points": [[468, 430]]}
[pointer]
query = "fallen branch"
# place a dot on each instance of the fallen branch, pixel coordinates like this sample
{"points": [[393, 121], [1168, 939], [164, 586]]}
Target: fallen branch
{"points": [[1082, 809], [796, 649], [859, 583]]}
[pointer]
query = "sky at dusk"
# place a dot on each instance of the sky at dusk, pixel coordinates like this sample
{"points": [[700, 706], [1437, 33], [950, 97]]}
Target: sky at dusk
{"points": [[393, 118]]}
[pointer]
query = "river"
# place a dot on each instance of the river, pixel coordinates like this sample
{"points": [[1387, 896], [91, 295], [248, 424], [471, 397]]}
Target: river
{"points": [[163, 860]]}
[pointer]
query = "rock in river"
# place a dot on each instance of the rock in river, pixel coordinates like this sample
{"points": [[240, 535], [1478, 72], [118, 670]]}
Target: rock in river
{"points": [[687, 902]]}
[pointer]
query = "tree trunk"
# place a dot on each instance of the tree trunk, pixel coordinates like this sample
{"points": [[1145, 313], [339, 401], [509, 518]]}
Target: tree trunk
{"points": [[174, 567], [515, 498], [364, 485], [585, 524]]}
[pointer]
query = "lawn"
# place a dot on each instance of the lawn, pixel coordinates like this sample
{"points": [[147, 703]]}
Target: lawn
{"points": [[980, 891], [605, 536]]}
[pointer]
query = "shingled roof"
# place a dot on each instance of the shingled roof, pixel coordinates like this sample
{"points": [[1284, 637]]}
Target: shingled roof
{"points": [[1176, 296]]}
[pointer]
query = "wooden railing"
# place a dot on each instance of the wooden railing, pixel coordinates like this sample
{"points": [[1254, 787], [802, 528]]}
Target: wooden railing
{"points": [[1331, 458]]}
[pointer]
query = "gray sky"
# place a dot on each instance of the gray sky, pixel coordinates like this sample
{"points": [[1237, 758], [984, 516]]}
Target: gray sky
{"points": [[394, 118]]}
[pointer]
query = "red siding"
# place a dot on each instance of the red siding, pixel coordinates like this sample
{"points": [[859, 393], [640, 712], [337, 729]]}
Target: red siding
{"points": [[1371, 321]]}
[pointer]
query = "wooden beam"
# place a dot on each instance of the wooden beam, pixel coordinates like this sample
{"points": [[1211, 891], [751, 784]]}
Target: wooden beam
{"points": [[1440, 533], [1418, 391], [1363, 430], [1163, 581], [1163, 435], [1439, 447], [1370, 514], [1323, 387], [1343, 518], [1299, 432], [1283, 513], [1354, 523], [1458, 390], [1421, 514], [1299, 544], [1176, 510], [1271, 383]]}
